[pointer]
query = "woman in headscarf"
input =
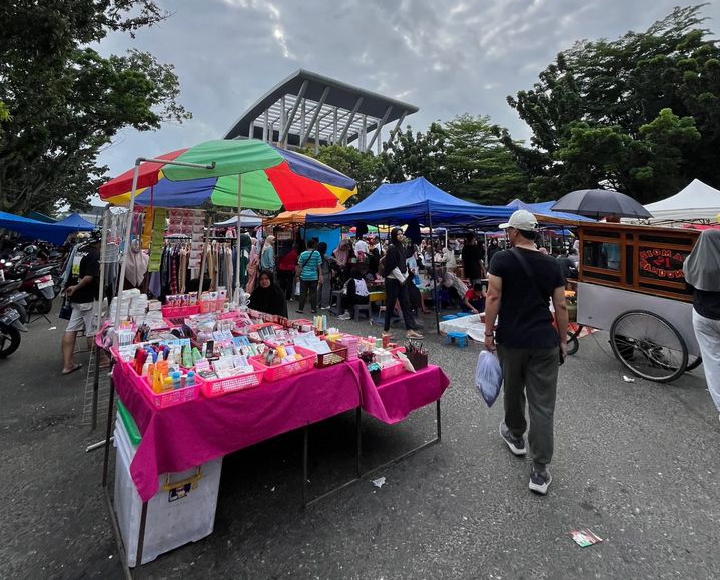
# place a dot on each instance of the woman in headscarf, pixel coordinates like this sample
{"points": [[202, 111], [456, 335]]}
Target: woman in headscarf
{"points": [[396, 276], [136, 266], [326, 270], [702, 272], [268, 296], [267, 257]]}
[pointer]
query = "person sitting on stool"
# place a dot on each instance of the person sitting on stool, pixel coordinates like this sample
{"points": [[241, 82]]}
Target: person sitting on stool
{"points": [[356, 293]]}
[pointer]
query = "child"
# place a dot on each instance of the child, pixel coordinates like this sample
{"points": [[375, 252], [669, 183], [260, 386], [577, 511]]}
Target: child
{"points": [[475, 299]]}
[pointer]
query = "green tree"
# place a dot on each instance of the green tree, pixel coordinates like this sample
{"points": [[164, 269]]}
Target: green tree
{"points": [[410, 155], [464, 157], [483, 170], [363, 167], [66, 102], [641, 113]]}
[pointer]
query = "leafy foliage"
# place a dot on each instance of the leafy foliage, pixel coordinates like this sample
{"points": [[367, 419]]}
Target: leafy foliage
{"points": [[363, 167], [640, 114], [65, 102], [463, 157]]}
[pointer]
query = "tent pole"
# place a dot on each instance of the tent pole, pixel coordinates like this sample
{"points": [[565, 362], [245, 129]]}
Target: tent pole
{"points": [[103, 252], [434, 275], [128, 229]]}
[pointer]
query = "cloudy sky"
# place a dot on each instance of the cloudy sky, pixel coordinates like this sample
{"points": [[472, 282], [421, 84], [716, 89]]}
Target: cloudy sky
{"points": [[446, 57]]}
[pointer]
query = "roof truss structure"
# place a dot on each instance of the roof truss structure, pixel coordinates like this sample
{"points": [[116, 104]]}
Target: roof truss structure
{"points": [[307, 109]]}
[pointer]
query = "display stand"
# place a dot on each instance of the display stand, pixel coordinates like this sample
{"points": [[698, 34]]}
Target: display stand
{"points": [[306, 500]]}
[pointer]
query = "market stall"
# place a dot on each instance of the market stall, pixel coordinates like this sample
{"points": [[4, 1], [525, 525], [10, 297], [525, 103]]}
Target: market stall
{"points": [[200, 407], [202, 376]]}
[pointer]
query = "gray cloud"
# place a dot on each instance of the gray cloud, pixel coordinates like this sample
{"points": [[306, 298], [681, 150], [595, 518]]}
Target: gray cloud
{"points": [[447, 58]]}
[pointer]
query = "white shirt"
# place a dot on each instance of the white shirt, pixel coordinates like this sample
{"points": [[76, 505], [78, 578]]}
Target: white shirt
{"points": [[361, 246], [361, 288]]}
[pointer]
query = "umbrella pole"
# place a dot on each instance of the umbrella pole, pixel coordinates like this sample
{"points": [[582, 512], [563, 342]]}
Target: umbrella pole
{"points": [[237, 243]]}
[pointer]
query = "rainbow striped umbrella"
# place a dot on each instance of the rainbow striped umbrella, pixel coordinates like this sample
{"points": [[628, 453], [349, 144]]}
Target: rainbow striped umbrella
{"points": [[268, 178]]}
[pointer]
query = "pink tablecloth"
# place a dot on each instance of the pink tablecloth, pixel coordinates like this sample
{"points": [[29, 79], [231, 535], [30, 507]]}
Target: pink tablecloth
{"points": [[181, 437]]}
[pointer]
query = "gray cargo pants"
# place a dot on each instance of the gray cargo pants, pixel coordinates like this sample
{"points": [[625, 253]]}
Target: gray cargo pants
{"points": [[531, 373]]}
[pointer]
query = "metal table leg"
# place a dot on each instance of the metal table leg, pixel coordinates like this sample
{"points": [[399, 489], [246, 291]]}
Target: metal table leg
{"points": [[111, 400], [407, 454], [96, 389]]}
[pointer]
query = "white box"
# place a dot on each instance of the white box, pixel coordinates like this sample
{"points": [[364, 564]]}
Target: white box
{"points": [[176, 515]]}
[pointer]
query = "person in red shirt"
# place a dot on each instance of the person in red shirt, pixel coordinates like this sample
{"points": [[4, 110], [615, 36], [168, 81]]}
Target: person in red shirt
{"points": [[475, 299], [286, 272]]}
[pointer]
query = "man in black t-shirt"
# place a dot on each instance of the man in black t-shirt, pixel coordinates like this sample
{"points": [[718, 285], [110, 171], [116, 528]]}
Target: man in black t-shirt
{"points": [[522, 282], [472, 260], [82, 296]]}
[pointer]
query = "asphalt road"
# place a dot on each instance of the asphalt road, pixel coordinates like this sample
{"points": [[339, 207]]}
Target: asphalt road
{"points": [[634, 462]]}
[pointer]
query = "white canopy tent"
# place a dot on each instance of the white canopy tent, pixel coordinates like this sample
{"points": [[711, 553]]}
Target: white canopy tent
{"points": [[697, 201], [248, 219]]}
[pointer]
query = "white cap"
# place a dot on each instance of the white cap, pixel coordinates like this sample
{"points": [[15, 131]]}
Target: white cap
{"points": [[523, 220]]}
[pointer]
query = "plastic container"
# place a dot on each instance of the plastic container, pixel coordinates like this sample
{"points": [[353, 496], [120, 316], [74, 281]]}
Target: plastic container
{"points": [[179, 311], [391, 371], [218, 387], [167, 398], [281, 371], [182, 511], [337, 355]]}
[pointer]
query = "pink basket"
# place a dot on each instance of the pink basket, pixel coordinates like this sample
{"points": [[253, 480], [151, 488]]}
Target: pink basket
{"points": [[168, 398], [218, 387], [281, 371], [179, 311], [171, 398], [391, 371]]}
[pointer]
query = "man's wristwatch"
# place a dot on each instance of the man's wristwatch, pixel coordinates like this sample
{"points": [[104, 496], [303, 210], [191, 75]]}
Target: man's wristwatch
{"points": [[491, 334]]}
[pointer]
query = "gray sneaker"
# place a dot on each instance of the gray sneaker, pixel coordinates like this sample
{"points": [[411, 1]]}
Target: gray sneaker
{"points": [[540, 481], [516, 445]]}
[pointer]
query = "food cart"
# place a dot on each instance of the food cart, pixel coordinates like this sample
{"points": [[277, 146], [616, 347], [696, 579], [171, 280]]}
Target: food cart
{"points": [[631, 283]]}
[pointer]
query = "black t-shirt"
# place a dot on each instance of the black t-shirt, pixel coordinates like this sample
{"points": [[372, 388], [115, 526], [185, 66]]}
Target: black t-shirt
{"points": [[525, 321], [707, 303], [471, 256], [89, 266]]}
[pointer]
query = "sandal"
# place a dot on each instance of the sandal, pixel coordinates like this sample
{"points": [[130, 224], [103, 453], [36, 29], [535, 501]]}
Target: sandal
{"points": [[77, 367], [413, 335]]}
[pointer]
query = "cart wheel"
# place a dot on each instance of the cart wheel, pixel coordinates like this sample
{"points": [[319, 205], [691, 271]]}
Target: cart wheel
{"points": [[649, 346], [693, 363], [572, 343]]}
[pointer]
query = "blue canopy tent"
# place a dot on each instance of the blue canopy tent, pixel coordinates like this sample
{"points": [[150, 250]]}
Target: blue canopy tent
{"points": [[41, 217], [55, 233], [75, 221], [419, 201]]}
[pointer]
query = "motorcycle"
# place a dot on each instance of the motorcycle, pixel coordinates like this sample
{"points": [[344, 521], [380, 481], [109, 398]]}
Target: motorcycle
{"points": [[38, 281], [10, 323], [16, 298]]}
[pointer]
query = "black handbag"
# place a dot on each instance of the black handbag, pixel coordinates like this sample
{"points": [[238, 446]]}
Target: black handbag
{"points": [[65, 310]]}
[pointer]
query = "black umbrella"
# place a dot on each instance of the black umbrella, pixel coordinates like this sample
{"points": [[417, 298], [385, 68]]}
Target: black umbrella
{"points": [[599, 203]]}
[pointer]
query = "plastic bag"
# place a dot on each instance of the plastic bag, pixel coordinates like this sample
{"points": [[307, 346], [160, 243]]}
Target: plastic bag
{"points": [[488, 377], [297, 289]]}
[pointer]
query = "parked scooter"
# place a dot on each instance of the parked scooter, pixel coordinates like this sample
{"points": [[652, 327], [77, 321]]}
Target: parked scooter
{"points": [[10, 323], [38, 281], [16, 298]]}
